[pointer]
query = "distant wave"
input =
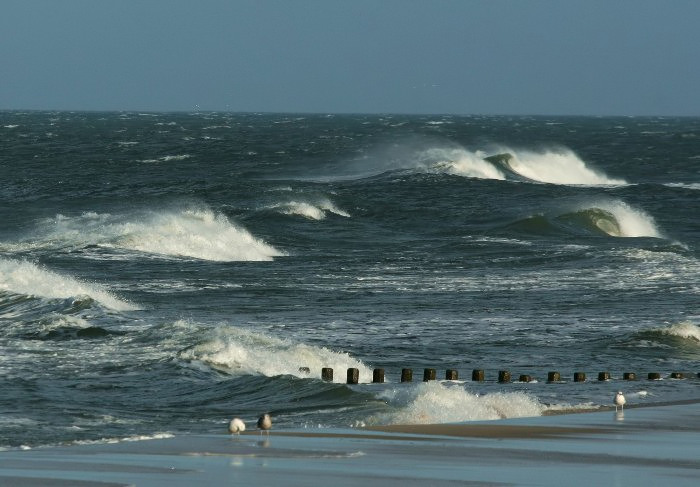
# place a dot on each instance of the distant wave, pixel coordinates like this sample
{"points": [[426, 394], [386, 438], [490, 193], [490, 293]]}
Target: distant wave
{"points": [[614, 218], [435, 402], [168, 158], [240, 351], [553, 166], [312, 211], [195, 233], [695, 186], [27, 278]]}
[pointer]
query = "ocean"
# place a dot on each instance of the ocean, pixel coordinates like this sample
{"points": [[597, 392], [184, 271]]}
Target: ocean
{"points": [[161, 273]]}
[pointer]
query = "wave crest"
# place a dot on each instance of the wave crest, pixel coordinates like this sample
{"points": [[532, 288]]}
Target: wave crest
{"points": [[614, 219], [241, 351], [312, 211], [561, 166], [196, 233], [22, 277], [685, 330]]}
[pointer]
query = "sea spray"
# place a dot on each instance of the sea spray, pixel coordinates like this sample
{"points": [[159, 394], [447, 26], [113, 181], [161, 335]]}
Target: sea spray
{"points": [[630, 222], [436, 402], [28, 278], [557, 167], [459, 162], [553, 166]]}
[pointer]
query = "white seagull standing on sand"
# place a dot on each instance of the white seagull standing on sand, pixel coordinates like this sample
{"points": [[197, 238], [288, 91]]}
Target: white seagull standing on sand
{"points": [[265, 423], [236, 426], [619, 401]]}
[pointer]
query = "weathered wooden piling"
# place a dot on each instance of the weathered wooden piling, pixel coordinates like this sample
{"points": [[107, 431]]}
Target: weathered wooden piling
{"points": [[378, 376], [451, 374], [603, 376], [553, 376], [478, 375], [654, 376], [429, 374], [525, 378], [353, 375], [406, 375], [579, 377], [327, 374], [629, 376], [503, 376], [304, 370], [677, 375]]}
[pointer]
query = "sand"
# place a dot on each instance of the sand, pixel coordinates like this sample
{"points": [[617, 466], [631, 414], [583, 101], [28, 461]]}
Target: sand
{"points": [[642, 446]]}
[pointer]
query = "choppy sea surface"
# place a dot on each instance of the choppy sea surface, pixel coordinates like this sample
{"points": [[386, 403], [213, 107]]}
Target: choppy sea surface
{"points": [[163, 272]]}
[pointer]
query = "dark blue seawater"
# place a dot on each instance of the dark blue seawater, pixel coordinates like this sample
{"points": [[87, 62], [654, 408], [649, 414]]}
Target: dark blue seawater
{"points": [[161, 273]]}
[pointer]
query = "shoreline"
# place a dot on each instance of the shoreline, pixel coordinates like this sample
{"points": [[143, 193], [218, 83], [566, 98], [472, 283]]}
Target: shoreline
{"points": [[644, 445]]}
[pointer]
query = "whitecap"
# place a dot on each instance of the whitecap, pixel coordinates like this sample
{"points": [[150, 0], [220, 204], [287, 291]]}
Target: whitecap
{"points": [[28, 278], [312, 211], [685, 329], [195, 233], [241, 351]]}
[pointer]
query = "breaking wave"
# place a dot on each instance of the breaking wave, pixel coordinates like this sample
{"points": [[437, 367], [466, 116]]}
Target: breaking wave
{"points": [[614, 219], [199, 234], [312, 211], [690, 332], [243, 352], [553, 166], [27, 278], [434, 402]]}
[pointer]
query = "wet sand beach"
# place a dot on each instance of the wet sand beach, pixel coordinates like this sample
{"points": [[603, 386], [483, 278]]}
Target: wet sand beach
{"points": [[640, 446]]}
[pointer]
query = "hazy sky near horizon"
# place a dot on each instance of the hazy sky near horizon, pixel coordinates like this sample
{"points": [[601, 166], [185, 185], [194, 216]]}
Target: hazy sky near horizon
{"points": [[575, 57]]}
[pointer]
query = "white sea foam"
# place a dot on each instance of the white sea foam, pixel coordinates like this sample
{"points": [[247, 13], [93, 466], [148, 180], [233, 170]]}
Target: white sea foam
{"points": [[436, 402], [312, 211], [241, 351], [685, 329], [557, 167], [200, 234], [22, 277], [631, 221], [196, 233], [155, 436], [552, 166]]}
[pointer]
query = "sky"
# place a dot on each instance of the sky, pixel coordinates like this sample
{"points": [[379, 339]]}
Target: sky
{"points": [[535, 57]]}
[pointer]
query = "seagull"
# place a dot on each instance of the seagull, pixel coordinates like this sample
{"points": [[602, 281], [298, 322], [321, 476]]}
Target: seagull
{"points": [[236, 426], [265, 423], [619, 401]]}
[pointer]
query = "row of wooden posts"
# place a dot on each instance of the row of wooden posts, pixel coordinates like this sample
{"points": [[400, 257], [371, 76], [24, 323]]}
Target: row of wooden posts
{"points": [[478, 375]]}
